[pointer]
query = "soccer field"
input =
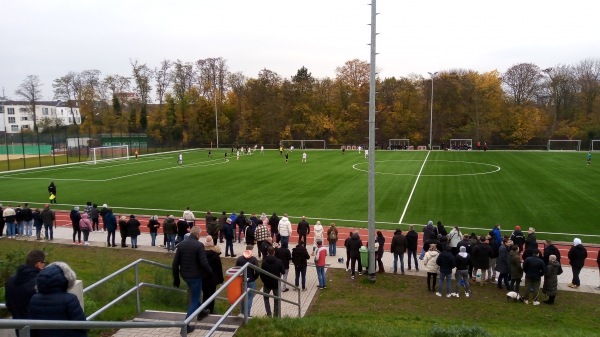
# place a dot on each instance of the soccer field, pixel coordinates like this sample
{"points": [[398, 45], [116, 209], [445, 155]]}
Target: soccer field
{"points": [[553, 192]]}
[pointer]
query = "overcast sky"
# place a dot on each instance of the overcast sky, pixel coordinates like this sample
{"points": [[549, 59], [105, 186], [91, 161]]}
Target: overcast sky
{"points": [[49, 38]]}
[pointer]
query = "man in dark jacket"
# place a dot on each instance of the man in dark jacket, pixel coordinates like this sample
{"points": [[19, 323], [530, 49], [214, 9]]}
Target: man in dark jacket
{"points": [[354, 249], [21, 286], [300, 258], [190, 262], [222, 222], [109, 221], [241, 225], [284, 255], [210, 282], [466, 242], [577, 256], [463, 262], [534, 268], [518, 238], [481, 253], [412, 239], [27, 215], [241, 261], [446, 262], [398, 248], [75, 218], [303, 229], [48, 219], [212, 227], [550, 249], [274, 266], [1, 221], [530, 243]]}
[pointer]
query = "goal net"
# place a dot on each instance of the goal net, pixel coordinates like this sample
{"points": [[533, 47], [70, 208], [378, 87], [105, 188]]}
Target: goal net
{"points": [[460, 144], [595, 145], [564, 145], [303, 144], [399, 144], [105, 153]]}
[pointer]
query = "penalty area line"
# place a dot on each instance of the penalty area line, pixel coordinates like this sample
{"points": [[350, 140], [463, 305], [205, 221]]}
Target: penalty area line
{"points": [[413, 189]]}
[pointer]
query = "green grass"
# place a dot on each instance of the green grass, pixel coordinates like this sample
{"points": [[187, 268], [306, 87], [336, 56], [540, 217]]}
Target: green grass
{"points": [[401, 306], [554, 192]]}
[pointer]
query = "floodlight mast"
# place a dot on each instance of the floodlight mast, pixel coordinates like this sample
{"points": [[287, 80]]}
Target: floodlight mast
{"points": [[431, 115], [371, 175]]}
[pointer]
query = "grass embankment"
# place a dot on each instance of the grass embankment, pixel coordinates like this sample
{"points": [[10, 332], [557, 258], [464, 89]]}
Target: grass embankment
{"points": [[398, 305]]}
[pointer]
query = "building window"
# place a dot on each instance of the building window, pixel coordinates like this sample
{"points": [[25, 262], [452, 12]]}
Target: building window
{"points": [[1, 109], [11, 111], [70, 120], [45, 111], [14, 128], [11, 119], [24, 118], [22, 109], [25, 126]]}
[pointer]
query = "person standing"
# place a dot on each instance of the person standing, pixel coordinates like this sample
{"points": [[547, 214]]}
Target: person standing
{"points": [[153, 225], [455, 236], [300, 258], [274, 224], [123, 230], [261, 234], [240, 222], [398, 248], [170, 231], [304, 157], [320, 256], [347, 246], [52, 192], [85, 225], [332, 238], [412, 239], [209, 283], [379, 249], [534, 269], [577, 256], [503, 264], [109, 222], [284, 255], [462, 261], [481, 253], [287, 155], [103, 212], [53, 302], [9, 216], [550, 287], [37, 223], [95, 217], [21, 286], [133, 230], [191, 263], [2, 222], [182, 230], [180, 159], [530, 243], [285, 230], [354, 248], [75, 217], [274, 266], [516, 269], [222, 223], [27, 215], [303, 229], [189, 217], [318, 235], [518, 238], [212, 227], [252, 275], [589, 157], [431, 267], [446, 263], [229, 233]]}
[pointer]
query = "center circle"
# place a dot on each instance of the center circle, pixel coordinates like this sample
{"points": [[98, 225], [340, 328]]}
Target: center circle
{"points": [[489, 168]]}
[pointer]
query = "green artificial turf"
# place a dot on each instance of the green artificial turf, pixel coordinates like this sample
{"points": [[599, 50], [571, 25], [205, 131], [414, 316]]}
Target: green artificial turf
{"points": [[551, 191]]}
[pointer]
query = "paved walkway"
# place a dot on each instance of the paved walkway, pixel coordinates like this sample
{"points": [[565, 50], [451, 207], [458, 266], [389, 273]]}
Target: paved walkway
{"points": [[63, 235]]}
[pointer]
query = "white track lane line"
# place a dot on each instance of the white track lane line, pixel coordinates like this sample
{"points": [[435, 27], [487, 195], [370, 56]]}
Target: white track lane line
{"points": [[413, 189]]}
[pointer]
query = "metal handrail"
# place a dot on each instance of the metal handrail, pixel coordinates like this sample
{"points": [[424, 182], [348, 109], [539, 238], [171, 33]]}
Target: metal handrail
{"points": [[25, 326]]}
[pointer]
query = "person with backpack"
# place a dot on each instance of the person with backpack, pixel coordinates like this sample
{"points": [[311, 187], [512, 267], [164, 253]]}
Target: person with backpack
{"points": [[332, 237]]}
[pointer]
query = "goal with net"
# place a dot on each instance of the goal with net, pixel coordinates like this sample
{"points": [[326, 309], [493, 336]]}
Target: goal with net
{"points": [[105, 153], [460, 144], [304, 144], [595, 145], [399, 144], [564, 145]]}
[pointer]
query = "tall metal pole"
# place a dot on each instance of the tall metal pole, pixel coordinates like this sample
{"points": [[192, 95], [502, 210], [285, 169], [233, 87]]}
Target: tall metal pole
{"points": [[371, 202], [216, 115], [431, 116]]}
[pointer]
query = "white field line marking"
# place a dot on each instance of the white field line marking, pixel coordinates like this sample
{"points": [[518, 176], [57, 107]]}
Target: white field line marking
{"points": [[413, 189]]}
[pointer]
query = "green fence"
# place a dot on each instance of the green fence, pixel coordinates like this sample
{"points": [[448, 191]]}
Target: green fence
{"points": [[26, 149]]}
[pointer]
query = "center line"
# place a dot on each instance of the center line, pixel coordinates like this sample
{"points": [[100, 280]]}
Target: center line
{"points": [[413, 189]]}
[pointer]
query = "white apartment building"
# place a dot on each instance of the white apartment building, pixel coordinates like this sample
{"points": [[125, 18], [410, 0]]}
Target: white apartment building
{"points": [[16, 115]]}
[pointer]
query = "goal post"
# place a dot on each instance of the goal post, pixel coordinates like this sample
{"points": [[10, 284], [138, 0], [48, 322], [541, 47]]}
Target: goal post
{"points": [[595, 145], [106, 153], [564, 145], [304, 143], [399, 144], [460, 144]]}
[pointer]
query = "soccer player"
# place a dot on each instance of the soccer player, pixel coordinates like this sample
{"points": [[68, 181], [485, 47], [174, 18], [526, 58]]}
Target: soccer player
{"points": [[359, 149], [135, 153], [209, 153], [292, 148], [237, 155], [262, 149], [304, 157], [180, 159], [589, 159], [280, 150], [286, 157], [366, 153]]}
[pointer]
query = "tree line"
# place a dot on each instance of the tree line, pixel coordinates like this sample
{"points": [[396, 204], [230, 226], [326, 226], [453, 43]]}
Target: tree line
{"points": [[196, 102]]}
